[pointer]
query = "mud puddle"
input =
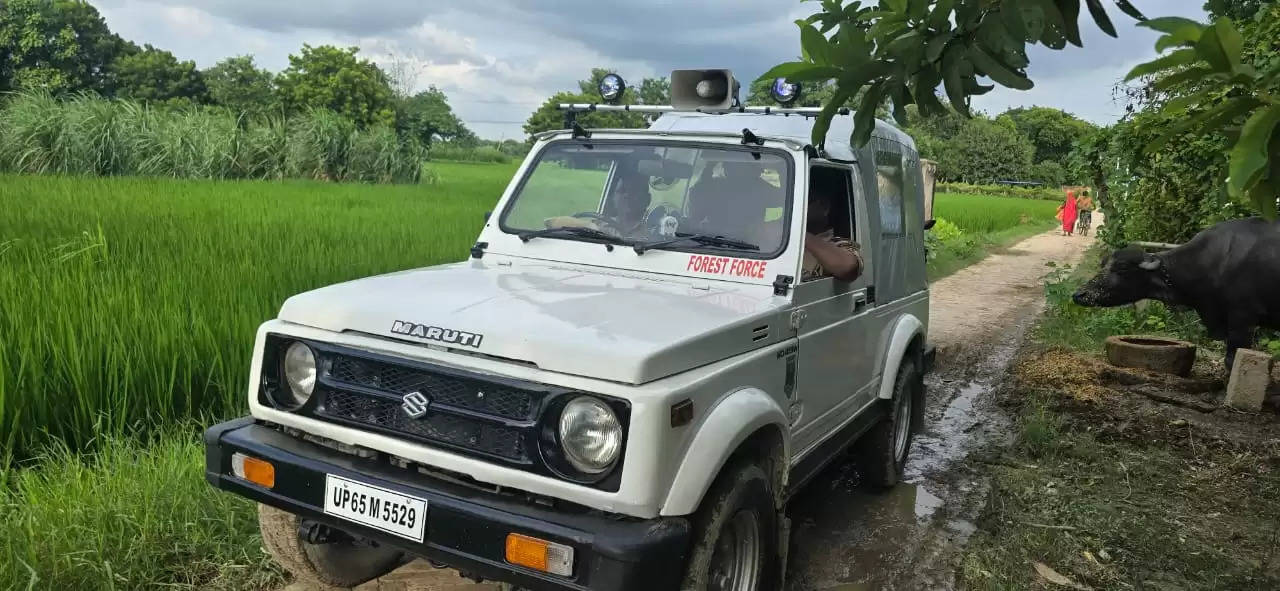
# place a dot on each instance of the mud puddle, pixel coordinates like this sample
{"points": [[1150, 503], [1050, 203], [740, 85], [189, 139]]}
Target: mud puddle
{"points": [[847, 536]]}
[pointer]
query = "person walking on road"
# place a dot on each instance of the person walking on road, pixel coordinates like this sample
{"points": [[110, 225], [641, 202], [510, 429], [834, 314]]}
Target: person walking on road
{"points": [[1067, 213]]}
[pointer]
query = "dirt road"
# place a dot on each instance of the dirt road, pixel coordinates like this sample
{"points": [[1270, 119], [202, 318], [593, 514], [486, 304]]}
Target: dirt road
{"points": [[848, 538]]}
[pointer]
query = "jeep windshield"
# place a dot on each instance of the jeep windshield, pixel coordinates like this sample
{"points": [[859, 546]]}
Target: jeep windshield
{"points": [[656, 196]]}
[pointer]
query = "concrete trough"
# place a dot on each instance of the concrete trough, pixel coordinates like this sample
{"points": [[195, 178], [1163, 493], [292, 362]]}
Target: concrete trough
{"points": [[1151, 353]]}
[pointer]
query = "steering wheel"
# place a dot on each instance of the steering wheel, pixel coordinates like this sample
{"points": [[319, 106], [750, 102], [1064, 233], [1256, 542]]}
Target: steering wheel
{"points": [[653, 219]]}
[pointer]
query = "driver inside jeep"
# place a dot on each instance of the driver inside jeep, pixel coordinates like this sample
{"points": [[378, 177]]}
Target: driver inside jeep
{"points": [[625, 209], [825, 254]]}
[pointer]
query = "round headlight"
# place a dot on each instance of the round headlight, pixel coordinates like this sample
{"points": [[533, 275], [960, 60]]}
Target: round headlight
{"points": [[590, 435], [611, 87], [300, 372], [785, 92]]}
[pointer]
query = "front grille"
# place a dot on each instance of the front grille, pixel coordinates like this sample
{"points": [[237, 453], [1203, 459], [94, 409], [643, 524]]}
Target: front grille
{"points": [[385, 413], [495, 418], [486, 398]]}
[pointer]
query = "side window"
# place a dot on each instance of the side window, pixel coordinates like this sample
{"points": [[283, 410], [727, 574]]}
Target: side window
{"points": [[890, 178], [830, 188]]}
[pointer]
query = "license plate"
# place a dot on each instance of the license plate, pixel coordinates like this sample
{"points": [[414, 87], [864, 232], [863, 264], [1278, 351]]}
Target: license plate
{"points": [[376, 507]]}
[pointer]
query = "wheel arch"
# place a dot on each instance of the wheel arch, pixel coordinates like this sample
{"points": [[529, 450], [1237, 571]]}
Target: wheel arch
{"points": [[747, 422], [907, 337]]}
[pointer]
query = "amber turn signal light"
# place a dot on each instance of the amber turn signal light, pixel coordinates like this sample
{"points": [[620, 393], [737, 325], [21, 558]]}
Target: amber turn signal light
{"points": [[259, 472], [540, 555]]}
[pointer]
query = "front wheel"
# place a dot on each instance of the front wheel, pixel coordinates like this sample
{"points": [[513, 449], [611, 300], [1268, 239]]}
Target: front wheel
{"points": [[339, 563], [883, 450], [735, 544]]}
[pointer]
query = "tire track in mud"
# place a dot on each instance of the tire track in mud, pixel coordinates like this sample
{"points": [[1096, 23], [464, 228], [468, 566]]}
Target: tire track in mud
{"points": [[846, 537]]}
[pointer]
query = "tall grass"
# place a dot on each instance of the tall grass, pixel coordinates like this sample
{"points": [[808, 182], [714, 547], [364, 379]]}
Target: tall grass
{"points": [[984, 213], [87, 135], [446, 152], [127, 303], [128, 516]]}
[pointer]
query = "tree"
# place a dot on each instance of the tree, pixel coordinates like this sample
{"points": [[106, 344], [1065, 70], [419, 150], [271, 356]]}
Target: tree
{"points": [[1236, 10], [58, 45], [905, 49], [239, 85], [655, 91], [427, 116], [331, 78], [1049, 172], [155, 75], [984, 151], [548, 116], [1053, 132]]}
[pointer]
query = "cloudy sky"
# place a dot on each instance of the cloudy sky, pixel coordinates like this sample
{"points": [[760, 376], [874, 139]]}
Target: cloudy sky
{"points": [[499, 59]]}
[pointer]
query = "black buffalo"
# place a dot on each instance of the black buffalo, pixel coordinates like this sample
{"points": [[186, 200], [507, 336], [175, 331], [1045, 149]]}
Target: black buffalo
{"points": [[1229, 274]]}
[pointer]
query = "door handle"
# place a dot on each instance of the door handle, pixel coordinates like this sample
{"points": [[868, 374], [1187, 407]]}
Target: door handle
{"points": [[859, 302]]}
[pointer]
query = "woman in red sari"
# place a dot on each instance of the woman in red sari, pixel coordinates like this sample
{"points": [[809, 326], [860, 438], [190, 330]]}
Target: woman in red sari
{"points": [[1070, 210]]}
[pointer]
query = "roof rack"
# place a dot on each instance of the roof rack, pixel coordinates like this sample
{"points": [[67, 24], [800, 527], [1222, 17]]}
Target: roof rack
{"points": [[764, 110]]}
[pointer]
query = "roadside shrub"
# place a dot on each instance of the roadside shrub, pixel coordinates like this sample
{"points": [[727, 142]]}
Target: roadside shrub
{"points": [[944, 230], [451, 152], [1052, 193]]}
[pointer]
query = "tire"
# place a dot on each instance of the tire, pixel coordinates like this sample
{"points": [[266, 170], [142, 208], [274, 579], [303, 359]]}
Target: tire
{"points": [[337, 564], [741, 499], [883, 451]]}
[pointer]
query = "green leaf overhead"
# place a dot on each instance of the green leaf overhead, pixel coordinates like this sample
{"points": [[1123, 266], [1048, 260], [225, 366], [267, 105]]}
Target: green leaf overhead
{"points": [[1070, 10], [1011, 17], [1210, 49], [803, 72], [1129, 9], [1249, 157], [997, 71], [1099, 13], [1181, 57], [1170, 24]]}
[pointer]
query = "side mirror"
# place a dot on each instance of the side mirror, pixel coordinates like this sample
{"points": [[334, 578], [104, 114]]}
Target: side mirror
{"points": [[928, 224], [486, 215]]}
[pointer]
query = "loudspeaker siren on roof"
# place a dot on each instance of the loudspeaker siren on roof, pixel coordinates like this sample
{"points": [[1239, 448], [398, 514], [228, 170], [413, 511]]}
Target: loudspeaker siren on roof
{"points": [[708, 90]]}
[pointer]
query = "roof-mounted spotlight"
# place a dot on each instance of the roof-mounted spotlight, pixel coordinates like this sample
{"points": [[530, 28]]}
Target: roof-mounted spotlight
{"points": [[785, 92], [611, 88]]}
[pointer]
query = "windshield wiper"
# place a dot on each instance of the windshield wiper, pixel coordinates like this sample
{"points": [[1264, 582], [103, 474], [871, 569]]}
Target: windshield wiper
{"points": [[607, 238], [706, 239]]}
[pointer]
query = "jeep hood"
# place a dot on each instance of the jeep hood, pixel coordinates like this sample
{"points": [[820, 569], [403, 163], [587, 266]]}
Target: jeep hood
{"points": [[597, 324]]}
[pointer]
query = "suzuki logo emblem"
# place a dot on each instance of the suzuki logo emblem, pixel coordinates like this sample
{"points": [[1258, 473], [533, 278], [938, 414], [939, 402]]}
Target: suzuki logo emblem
{"points": [[415, 404]]}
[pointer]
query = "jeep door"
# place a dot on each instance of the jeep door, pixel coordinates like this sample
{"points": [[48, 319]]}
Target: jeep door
{"points": [[837, 356]]}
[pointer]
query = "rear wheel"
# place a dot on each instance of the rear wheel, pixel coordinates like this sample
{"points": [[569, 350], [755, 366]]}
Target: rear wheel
{"points": [[736, 535], [883, 450], [343, 562]]}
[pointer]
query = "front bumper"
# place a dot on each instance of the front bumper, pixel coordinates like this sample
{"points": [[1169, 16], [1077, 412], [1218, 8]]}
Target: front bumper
{"points": [[466, 527]]}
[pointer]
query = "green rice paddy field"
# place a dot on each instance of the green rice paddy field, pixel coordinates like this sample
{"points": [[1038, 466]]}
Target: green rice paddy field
{"points": [[127, 312]]}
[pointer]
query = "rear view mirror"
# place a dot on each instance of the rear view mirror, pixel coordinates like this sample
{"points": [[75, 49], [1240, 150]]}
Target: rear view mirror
{"points": [[928, 224]]}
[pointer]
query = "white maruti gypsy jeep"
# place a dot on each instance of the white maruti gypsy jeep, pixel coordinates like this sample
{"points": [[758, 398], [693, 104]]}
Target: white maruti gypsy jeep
{"points": [[627, 380]]}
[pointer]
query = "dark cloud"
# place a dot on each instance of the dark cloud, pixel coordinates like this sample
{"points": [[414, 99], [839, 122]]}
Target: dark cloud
{"points": [[345, 16], [748, 36]]}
